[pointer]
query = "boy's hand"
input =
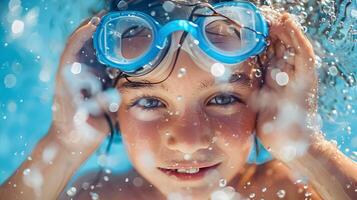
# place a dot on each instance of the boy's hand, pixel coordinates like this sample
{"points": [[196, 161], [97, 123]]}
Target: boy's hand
{"points": [[287, 101], [77, 94]]}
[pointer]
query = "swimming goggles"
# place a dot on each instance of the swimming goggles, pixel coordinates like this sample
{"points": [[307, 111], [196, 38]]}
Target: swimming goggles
{"points": [[135, 43]]}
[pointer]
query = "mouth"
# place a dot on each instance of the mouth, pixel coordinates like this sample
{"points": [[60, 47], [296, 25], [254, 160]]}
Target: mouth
{"points": [[184, 172]]}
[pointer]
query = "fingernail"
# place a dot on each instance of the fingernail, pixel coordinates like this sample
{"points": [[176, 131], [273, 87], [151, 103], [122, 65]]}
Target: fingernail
{"points": [[95, 21]]}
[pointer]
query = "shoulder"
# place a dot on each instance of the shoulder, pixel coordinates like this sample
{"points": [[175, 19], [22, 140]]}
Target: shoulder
{"points": [[129, 186], [274, 179]]}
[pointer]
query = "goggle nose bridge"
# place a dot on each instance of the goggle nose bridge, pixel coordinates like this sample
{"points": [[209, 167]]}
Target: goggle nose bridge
{"points": [[175, 26]]}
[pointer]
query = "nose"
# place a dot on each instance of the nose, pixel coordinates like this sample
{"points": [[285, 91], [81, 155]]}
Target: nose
{"points": [[188, 132]]}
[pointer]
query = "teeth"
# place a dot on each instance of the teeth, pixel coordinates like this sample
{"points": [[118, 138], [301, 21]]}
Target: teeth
{"points": [[188, 171]]}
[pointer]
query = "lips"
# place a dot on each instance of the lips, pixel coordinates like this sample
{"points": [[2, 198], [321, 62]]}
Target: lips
{"points": [[188, 172]]}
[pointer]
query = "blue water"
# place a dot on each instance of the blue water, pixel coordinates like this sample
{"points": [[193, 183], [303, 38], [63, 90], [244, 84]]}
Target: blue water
{"points": [[28, 64]]}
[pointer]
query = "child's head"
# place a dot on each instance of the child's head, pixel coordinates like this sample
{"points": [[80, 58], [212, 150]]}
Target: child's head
{"points": [[181, 116]]}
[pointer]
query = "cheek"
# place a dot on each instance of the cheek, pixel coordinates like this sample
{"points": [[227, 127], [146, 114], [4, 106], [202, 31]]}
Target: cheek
{"points": [[234, 130], [138, 135]]}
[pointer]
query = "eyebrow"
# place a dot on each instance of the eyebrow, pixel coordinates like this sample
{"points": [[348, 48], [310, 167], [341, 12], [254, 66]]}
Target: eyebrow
{"points": [[240, 79], [236, 78]]}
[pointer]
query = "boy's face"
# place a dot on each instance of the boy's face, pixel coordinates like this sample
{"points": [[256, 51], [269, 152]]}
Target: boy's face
{"points": [[189, 121]]}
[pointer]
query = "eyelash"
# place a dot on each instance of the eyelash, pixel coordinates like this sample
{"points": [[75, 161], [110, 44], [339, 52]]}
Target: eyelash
{"points": [[136, 101]]}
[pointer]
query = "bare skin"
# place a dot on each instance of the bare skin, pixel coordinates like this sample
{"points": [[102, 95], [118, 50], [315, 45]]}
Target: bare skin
{"points": [[264, 181], [224, 123]]}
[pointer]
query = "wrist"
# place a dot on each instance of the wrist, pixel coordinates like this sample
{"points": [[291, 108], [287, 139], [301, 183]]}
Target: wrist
{"points": [[79, 141]]}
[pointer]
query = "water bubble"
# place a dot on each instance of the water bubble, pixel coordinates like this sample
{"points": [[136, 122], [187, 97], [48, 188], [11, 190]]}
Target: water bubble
{"points": [[85, 185], [258, 73], [71, 191], [281, 194], [12, 106], [174, 196], [222, 182], [187, 156], [226, 193], [168, 6], [122, 5], [76, 68], [182, 72], [333, 70], [10, 81], [147, 159], [106, 178], [354, 13], [282, 78], [113, 107], [218, 69], [26, 172], [17, 27], [94, 196], [49, 153], [45, 74], [153, 13], [34, 180], [138, 182]]}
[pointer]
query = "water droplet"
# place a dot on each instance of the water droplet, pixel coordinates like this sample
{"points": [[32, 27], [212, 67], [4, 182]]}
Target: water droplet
{"points": [[222, 182], [281, 194], [218, 69], [168, 6], [354, 13], [76, 68], [187, 157], [282, 78], [122, 5], [106, 178], [264, 189], [138, 181], [10, 81], [333, 70], [17, 27], [94, 196], [182, 72], [71, 191], [26, 171], [257, 73], [251, 195]]}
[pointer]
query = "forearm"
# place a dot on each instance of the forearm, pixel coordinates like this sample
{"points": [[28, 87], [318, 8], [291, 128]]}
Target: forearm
{"points": [[46, 173], [332, 174]]}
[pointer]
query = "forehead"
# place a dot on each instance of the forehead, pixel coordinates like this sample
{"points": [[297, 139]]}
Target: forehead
{"points": [[194, 77]]}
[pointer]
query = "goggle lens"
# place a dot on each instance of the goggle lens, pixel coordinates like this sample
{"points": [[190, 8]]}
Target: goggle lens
{"points": [[128, 38], [231, 36]]}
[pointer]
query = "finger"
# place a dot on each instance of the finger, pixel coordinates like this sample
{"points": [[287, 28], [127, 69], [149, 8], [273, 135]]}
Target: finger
{"points": [[278, 31], [77, 41], [298, 38]]}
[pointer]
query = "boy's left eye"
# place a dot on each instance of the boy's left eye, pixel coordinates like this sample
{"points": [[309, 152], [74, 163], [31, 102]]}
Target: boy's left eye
{"points": [[223, 99]]}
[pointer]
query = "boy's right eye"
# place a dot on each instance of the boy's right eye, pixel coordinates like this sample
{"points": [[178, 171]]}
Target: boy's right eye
{"points": [[149, 103]]}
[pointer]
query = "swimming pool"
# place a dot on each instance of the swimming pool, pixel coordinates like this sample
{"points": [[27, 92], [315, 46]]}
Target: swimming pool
{"points": [[33, 33]]}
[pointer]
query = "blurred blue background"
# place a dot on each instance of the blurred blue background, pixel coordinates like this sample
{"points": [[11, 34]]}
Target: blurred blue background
{"points": [[33, 34]]}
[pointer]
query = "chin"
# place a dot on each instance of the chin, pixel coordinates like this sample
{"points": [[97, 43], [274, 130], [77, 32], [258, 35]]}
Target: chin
{"points": [[192, 193]]}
